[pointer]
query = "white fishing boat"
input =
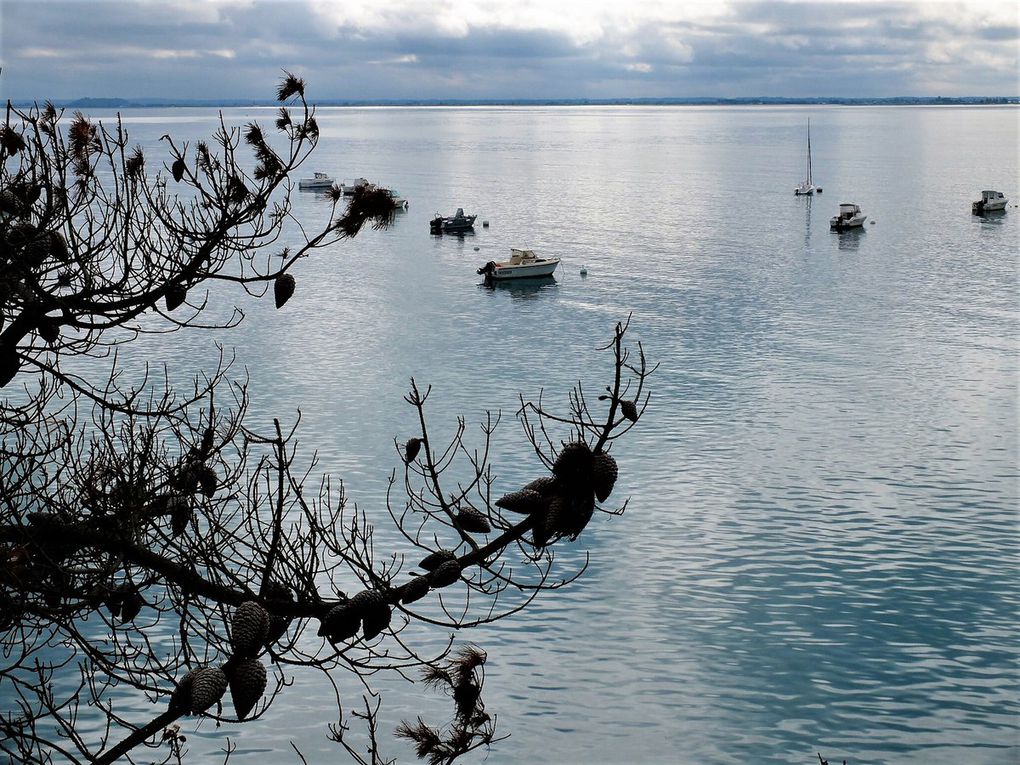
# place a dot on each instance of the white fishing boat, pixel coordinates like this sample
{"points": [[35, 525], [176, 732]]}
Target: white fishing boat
{"points": [[523, 264], [318, 182], [991, 201], [349, 187], [850, 216], [807, 186]]}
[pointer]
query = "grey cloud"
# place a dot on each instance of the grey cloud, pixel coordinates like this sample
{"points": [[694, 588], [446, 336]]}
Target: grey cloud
{"points": [[71, 49]]}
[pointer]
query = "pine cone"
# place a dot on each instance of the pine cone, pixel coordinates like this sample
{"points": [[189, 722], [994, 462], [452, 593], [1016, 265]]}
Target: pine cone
{"points": [[375, 619], [49, 329], [278, 624], [573, 463], [207, 479], [116, 596], [525, 501], [547, 526], [206, 688], [341, 623], [178, 169], [283, 288], [131, 607], [247, 685], [180, 515], [175, 295], [411, 449], [416, 589], [604, 474], [471, 520], [629, 409], [580, 508], [248, 629], [432, 561], [445, 574], [180, 698], [546, 485], [58, 247]]}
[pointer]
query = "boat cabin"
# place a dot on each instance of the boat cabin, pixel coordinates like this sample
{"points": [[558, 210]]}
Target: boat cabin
{"points": [[991, 196], [521, 256], [848, 210]]}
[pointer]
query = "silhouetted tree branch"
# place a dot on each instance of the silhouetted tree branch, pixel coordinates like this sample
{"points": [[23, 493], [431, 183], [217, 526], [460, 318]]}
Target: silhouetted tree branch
{"points": [[128, 503]]}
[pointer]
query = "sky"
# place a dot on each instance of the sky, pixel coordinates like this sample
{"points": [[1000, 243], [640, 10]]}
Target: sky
{"points": [[478, 49]]}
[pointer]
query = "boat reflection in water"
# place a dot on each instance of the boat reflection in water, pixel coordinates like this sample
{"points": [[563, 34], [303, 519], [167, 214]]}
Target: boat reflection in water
{"points": [[850, 238], [530, 288]]}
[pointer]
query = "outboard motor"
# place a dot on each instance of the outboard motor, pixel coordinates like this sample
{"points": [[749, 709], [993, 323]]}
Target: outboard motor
{"points": [[436, 224]]}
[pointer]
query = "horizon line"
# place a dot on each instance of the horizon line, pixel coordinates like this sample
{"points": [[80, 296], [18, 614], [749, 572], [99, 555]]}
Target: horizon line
{"points": [[166, 101]]}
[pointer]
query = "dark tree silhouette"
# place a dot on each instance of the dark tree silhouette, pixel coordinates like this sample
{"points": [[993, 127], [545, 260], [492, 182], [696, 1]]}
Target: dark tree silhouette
{"points": [[153, 544]]}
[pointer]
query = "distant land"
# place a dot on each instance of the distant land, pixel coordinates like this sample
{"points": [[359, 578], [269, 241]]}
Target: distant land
{"points": [[143, 103]]}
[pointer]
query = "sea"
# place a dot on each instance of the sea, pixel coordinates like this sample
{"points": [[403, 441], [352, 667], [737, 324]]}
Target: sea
{"points": [[820, 552]]}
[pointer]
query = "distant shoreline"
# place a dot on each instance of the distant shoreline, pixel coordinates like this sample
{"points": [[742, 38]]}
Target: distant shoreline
{"points": [[163, 103]]}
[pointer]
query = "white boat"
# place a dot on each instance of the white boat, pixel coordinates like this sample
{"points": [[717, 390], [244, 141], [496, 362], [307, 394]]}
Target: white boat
{"points": [[991, 201], [849, 217], [349, 187], [398, 200], [318, 182], [523, 264], [807, 186]]}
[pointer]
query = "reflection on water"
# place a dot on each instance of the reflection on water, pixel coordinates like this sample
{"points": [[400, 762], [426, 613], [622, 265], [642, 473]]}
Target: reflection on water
{"points": [[819, 553], [995, 217], [850, 239], [522, 289], [807, 216]]}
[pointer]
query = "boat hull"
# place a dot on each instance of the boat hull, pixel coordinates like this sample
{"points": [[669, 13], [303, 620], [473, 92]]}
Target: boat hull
{"points": [[842, 224], [452, 225], [983, 207], [526, 271]]}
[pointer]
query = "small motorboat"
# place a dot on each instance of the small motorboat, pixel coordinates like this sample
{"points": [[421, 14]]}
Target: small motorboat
{"points": [[523, 264], [458, 222], [398, 200], [850, 216], [318, 182], [350, 187], [991, 201]]}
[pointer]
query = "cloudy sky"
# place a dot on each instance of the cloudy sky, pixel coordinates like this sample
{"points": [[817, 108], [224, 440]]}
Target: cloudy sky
{"points": [[378, 49]]}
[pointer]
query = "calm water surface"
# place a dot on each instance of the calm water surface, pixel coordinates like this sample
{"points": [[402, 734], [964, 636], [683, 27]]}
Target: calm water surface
{"points": [[820, 552]]}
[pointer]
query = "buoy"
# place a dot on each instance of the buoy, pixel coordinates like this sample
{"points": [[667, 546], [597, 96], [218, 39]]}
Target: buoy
{"points": [[872, 223], [584, 270], [476, 249], [485, 224]]}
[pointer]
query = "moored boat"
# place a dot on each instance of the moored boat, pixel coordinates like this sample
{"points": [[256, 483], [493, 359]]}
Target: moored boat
{"points": [[807, 186], [397, 198], [850, 216], [318, 182], [523, 264], [991, 201], [349, 187], [458, 222]]}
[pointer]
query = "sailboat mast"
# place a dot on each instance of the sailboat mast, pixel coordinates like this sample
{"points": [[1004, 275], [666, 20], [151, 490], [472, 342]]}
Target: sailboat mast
{"points": [[809, 151]]}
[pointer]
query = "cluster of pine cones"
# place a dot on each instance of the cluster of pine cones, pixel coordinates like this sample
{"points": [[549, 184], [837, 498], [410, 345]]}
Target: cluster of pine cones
{"points": [[195, 476], [564, 502], [251, 629]]}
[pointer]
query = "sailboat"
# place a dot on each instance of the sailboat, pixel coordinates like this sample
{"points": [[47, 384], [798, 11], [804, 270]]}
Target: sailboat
{"points": [[807, 188]]}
